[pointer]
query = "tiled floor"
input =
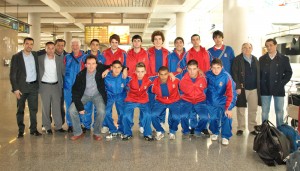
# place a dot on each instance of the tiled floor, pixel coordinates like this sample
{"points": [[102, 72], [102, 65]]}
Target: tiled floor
{"points": [[57, 152]]}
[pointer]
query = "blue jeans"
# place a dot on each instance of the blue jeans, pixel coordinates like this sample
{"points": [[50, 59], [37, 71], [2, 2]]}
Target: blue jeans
{"points": [[100, 106], [278, 104]]}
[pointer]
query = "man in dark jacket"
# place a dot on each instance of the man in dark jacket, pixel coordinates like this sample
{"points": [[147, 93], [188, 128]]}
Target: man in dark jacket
{"points": [[245, 73], [88, 86], [275, 72]]}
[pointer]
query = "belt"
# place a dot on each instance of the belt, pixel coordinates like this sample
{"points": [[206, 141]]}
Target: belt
{"points": [[50, 83], [32, 82]]}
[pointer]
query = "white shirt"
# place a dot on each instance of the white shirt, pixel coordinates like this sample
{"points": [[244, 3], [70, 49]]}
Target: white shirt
{"points": [[29, 67], [50, 74]]}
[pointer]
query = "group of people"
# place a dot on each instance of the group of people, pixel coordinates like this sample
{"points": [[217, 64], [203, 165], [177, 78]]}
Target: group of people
{"points": [[199, 87]]}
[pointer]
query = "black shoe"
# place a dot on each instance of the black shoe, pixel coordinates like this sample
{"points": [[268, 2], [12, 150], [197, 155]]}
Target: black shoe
{"points": [[192, 131], [148, 138], [126, 137], [20, 135], [49, 131], [61, 130], [257, 128], [205, 133], [35, 133], [239, 132], [70, 129], [254, 133]]}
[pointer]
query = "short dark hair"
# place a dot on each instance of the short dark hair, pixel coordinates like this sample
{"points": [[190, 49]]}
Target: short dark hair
{"points": [[195, 35], [179, 38], [217, 33], [116, 62], [49, 43], [59, 40], [140, 65], [28, 38], [90, 56], [216, 61], [114, 36], [192, 62], [136, 37], [157, 33], [163, 68], [94, 40], [271, 40]]}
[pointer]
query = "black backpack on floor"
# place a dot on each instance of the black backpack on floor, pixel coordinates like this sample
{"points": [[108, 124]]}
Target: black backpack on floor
{"points": [[271, 145]]}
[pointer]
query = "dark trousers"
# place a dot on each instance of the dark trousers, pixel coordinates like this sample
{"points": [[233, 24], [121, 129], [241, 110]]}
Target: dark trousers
{"points": [[30, 93]]}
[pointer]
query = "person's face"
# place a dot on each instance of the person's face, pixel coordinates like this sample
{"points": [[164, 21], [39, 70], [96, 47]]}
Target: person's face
{"points": [[271, 47], [75, 47], [94, 46], [116, 69], [163, 75], [91, 65], [114, 44], [136, 43], [140, 72], [59, 47], [157, 41], [196, 41], [216, 69], [28, 45], [247, 49], [179, 45], [218, 40], [193, 71], [50, 49]]}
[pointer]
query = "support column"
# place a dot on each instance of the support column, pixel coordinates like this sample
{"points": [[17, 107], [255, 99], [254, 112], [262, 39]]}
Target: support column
{"points": [[68, 38], [167, 40], [180, 25], [34, 19]]}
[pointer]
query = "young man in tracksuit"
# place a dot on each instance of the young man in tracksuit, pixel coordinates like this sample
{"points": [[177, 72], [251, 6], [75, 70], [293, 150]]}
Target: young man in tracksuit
{"points": [[221, 98], [166, 96], [137, 96], [115, 86], [74, 63], [176, 55], [193, 86], [221, 51]]}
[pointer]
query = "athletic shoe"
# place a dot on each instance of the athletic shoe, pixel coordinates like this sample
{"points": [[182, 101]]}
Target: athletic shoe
{"points": [[239, 132], [192, 131], [148, 138], [172, 136], [126, 137], [214, 137], [141, 130], [159, 135], [104, 130], [225, 141], [111, 135], [205, 133]]}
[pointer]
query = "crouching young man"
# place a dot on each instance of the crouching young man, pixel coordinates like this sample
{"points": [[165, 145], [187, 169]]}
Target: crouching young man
{"points": [[88, 86], [221, 98]]}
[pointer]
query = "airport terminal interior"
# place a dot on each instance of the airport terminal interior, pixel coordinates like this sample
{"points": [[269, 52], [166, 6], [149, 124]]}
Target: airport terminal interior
{"points": [[241, 21]]}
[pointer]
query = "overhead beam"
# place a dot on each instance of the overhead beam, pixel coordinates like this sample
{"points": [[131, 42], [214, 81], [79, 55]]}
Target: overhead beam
{"points": [[131, 10], [25, 9]]}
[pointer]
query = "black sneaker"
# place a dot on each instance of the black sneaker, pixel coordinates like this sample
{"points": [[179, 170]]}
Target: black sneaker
{"points": [[192, 131], [126, 137], [70, 129], [148, 138], [254, 133], [49, 131], [20, 135], [239, 132], [205, 133], [35, 133]]}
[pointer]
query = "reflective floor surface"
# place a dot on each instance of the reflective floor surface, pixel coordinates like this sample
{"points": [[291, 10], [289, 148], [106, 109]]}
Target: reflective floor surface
{"points": [[57, 152]]}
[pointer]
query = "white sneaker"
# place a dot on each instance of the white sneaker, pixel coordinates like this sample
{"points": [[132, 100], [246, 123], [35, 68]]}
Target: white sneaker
{"points": [[141, 130], [214, 137], [104, 130], [225, 141], [172, 136], [43, 129], [111, 136], [159, 135]]}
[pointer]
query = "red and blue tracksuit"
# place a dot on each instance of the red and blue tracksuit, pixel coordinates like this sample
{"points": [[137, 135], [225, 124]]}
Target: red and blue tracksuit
{"points": [[173, 60], [116, 92], [227, 57], [193, 99], [134, 58], [73, 65], [109, 56], [101, 58], [202, 57], [221, 96], [166, 96], [137, 96]]}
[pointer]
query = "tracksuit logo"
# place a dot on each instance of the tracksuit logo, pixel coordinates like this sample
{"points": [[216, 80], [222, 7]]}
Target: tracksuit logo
{"points": [[122, 85], [221, 84], [225, 55]]}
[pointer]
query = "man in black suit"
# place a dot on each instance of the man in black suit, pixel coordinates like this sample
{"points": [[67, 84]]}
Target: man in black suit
{"points": [[23, 78]]}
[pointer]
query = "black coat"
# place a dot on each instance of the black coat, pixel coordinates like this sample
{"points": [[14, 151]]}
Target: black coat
{"points": [[80, 84], [238, 75], [274, 74]]}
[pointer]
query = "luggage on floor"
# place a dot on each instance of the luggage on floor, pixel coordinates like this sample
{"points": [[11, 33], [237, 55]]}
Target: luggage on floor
{"points": [[291, 134], [293, 161]]}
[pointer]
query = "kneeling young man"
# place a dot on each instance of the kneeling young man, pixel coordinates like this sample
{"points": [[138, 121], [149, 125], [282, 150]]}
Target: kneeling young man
{"points": [[88, 86], [221, 98], [166, 96], [137, 96]]}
